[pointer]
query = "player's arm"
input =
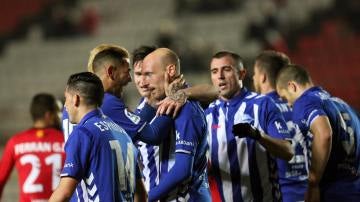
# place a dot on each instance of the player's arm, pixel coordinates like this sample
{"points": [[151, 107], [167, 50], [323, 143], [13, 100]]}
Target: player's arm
{"points": [[156, 128], [202, 92], [65, 190], [177, 94], [277, 147], [140, 192], [189, 127], [6, 165], [181, 171], [321, 147], [276, 131]]}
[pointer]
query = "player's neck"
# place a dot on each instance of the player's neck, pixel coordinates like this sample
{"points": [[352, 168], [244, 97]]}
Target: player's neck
{"points": [[305, 87], [40, 124], [266, 88], [82, 113]]}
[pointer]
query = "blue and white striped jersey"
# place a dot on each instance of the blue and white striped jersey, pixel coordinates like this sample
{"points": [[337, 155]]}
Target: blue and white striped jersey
{"points": [[243, 169], [150, 157], [293, 175], [67, 127], [187, 135], [101, 155], [341, 178]]}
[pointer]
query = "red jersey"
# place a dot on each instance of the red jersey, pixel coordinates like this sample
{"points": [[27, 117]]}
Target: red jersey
{"points": [[38, 155]]}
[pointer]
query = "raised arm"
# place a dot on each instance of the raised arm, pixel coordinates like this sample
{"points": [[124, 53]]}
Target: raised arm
{"points": [[201, 92], [175, 99]]}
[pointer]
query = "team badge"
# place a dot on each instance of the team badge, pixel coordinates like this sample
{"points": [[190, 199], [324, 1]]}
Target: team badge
{"points": [[134, 118]]}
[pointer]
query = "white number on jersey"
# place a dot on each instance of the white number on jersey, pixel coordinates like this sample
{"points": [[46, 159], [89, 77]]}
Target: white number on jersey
{"points": [[29, 185], [349, 141], [127, 175]]}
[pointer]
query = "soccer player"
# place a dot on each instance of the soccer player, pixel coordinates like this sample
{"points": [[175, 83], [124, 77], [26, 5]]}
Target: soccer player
{"points": [[183, 158], [111, 64], [149, 154], [98, 151], [138, 56], [332, 131], [37, 152], [292, 174], [245, 130]]}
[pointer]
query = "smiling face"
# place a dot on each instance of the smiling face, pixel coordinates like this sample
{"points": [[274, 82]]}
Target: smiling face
{"points": [[121, 76], [141, 86], [225, 77]]}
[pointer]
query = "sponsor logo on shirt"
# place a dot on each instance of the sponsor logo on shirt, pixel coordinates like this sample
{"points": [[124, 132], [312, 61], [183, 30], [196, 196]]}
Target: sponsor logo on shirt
{"points": [[182, 142], [215, 126], [135, 119], [278, 125], [280, 128], [68, 165]]}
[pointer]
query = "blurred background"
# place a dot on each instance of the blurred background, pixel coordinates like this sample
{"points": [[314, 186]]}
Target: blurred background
{"points": [[42, 42]]}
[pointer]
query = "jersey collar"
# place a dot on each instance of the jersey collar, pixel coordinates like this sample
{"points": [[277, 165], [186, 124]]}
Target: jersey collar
{"points": [[95, 112], [109, 96], [233, 101]]}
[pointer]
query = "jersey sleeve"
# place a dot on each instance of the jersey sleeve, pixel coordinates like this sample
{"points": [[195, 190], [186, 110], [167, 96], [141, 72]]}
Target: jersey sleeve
{"points": [[128, 120], [6, 164], [274, 122], [188, 128], [77, 151], [306, 110], [156, 128]]}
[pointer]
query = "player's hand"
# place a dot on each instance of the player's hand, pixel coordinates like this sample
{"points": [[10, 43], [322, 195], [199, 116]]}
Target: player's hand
{"points": [[171, 88], [246, 130], [169, 107]]}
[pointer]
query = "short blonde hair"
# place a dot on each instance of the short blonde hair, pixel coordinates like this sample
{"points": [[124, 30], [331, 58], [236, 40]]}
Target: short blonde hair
{"points": [[121, 51]]}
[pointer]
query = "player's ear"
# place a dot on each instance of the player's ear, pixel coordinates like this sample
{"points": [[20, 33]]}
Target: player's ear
{"points": [[77, 100], [171, 70], [263, 78], [110, 72], [292, 86], [241, 73]]}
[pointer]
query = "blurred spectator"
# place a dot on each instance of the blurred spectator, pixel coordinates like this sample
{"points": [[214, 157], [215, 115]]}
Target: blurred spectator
{"points": [[65, 20]]}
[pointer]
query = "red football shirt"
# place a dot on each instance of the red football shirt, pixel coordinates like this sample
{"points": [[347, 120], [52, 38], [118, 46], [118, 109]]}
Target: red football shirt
{"points": [[38, 155]]}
